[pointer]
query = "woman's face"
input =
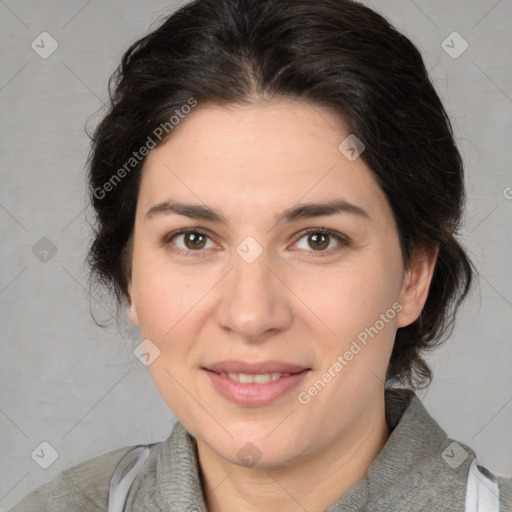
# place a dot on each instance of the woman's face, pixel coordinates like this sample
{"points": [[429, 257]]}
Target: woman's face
{"points": [[254, 288]]}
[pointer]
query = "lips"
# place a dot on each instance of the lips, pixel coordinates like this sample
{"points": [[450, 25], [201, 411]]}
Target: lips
{"points": [[254, 384], [254, 394], [237, 366]]}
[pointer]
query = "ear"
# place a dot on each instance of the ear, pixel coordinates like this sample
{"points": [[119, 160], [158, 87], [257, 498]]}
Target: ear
{"points": [[416, 284], [134, 317]]}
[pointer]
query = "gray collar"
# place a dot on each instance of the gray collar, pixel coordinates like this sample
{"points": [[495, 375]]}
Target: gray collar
{"points": [[412, 456]]}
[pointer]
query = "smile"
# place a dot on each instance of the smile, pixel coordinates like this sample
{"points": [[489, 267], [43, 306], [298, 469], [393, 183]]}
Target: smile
{"points": [[254, 390]]}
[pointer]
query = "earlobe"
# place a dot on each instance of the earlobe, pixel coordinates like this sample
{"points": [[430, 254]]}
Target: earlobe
{"points": [[416, 285], [134, 317]]}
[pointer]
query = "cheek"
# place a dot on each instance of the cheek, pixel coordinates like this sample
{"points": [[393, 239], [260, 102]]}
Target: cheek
{"points": [[355, 296], [165, 296], [359, 305], [168, 318]]}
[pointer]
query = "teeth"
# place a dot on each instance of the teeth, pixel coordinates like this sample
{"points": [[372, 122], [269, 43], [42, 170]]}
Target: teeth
{"points": [[260, 378]]}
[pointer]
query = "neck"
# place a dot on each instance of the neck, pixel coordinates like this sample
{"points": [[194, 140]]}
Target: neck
{"points": [[313, 484]]}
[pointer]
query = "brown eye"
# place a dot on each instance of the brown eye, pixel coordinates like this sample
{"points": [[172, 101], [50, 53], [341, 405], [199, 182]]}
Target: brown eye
{"points": [[194, 240], [188, 242], [318, 241], [322, 241]]}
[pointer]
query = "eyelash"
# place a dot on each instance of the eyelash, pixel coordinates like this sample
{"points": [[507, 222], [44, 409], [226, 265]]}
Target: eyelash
{"points": [[343, 240]]}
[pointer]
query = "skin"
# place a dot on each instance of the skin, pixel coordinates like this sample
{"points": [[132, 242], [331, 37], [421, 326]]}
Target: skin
{"points": [[291, 304]]}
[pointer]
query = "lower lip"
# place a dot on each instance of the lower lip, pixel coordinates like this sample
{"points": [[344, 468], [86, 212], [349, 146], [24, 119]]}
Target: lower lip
{"points": [[254, 394]]}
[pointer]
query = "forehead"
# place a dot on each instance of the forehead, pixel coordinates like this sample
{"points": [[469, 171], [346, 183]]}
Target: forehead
{"points": [[254, 156]]}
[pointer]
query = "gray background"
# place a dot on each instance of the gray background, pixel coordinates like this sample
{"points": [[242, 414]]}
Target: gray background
{"points": [[79, 387]]}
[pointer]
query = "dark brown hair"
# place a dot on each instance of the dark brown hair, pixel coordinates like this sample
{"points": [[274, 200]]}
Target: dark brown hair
{"points": [[335, 53]]}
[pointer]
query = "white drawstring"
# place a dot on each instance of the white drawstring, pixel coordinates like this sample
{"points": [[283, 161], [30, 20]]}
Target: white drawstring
{"points": [[124, 476], [483, 494]]}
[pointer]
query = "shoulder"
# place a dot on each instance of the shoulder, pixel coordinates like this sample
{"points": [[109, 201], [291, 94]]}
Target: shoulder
{"points": [[81, 488]]}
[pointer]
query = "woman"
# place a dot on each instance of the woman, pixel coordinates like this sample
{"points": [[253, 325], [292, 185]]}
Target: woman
{"points": [[278, 194]]}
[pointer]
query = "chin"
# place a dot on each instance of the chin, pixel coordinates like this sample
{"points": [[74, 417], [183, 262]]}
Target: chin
{"points": [[258, 451]]}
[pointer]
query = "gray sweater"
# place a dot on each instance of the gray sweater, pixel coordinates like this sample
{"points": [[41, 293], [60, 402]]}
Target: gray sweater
{"points": [[418, 469]]}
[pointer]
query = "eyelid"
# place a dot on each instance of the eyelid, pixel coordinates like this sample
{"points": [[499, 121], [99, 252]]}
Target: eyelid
{"points": [[167, 240], [185, 231], [343, 240]]}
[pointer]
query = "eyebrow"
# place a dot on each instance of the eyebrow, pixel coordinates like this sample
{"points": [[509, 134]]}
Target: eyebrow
{"points": [[300, 211]]}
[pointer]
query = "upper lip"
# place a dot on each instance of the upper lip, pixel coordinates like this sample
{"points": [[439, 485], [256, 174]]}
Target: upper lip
{"points": [[237, 366]]}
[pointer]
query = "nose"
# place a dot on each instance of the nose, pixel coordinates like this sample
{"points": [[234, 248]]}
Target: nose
{"points": [[255, 302]]}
